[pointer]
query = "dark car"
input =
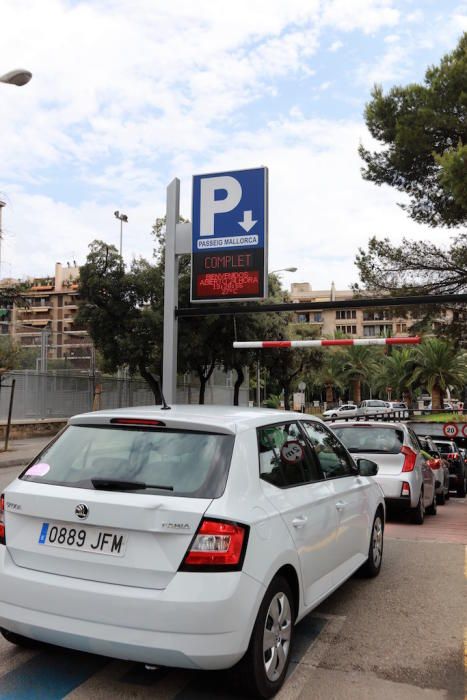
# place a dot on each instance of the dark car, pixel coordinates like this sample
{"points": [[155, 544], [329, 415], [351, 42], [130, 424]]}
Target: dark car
{"points": [[457, 466], [440, 467]]}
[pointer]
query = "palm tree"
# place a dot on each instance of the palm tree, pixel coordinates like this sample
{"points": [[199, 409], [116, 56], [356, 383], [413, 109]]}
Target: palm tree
{"points": [[396, 372], [438, 366], [360, 363], [331, 374]]}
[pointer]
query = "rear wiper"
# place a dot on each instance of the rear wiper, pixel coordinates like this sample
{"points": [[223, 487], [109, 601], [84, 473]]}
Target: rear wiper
{"points": [[120, 485]]}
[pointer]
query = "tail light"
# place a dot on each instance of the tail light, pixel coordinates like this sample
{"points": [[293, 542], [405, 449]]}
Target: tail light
{"points": [[217, 546], [2, 519], [405, 489], [434, 463], [410, 457], [453, 455]]}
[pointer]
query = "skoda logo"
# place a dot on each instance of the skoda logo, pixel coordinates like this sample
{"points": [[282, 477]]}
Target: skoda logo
{"points": [[82, 511]]}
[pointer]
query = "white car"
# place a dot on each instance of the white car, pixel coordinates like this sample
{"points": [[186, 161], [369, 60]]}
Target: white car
{"points": [[407, 481], [193, 537], [344, 411]]}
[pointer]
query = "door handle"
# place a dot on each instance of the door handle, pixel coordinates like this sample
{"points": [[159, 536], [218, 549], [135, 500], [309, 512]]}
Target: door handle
{"points": [[299, 522], [340, 505]]}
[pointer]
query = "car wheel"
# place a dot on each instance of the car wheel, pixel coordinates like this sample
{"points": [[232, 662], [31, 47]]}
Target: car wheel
{"points": [[334, 415], [417, 514], [432, 509], [448, 494], [462, 488], [19, 640], [264, 666], [441, 498], [372, 566]]}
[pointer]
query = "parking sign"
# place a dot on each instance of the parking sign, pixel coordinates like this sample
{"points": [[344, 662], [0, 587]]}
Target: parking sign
{"points": [[229, 242]]}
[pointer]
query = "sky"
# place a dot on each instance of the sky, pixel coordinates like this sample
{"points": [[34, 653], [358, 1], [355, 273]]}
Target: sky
{"points": [[125, 96]]}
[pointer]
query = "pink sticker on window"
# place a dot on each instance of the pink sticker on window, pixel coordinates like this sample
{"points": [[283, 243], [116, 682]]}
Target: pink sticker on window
{"points": [[39, 469]]}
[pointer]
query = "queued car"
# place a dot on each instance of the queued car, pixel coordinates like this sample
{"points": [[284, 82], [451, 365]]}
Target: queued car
{"points": [[457, 466], [347, 410], [373, 407], [407, 481], [399, 408], [440, 468], [193, 537]]}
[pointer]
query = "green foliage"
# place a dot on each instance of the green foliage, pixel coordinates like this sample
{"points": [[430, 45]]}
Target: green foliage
{"points": [[438, 366], [419, 127], [396, 371], [122, 310], [361, 363]]}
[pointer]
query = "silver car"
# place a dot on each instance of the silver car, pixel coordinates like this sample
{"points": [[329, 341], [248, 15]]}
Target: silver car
{"points": [[407, 481], [372, 407]]}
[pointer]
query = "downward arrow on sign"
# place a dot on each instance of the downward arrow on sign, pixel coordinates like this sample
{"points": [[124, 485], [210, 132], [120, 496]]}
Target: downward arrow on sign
{"points": [[247, 222]]}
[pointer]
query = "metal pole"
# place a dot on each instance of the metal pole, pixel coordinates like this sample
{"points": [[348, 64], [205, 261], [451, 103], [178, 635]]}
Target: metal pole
{"points": [[10, 410], [2, 204], [121, 236], [169, 355]]}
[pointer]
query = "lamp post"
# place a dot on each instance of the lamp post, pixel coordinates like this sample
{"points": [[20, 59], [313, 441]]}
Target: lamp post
{"points": [[17, 77], [284, 269], [122, 218]]}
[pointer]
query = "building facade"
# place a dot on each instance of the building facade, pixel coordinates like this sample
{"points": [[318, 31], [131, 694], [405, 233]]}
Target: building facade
{"points": [[48, 317], [358, 323]]}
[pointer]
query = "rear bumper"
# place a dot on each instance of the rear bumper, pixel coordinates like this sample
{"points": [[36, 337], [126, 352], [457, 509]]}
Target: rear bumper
{"points": [[392, 489], [201, 620], [402, 503]]}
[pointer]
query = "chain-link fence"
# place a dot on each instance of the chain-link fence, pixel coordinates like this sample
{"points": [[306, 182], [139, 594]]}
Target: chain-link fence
{"points": [[61, 394]]}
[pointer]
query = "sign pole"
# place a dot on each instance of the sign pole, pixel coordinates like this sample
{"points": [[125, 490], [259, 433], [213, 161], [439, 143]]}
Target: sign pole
{"points": [[169, 354]]}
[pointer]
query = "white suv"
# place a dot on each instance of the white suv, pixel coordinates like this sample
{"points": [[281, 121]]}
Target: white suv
{"points": [[193, 537]]}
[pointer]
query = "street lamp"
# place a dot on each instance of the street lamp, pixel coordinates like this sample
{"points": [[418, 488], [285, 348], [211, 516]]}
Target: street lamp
{"points": [[2, 204], [16, 77], [284, 269], [122, 218]]}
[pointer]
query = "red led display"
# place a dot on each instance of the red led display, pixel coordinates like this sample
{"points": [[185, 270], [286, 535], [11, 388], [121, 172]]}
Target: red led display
{"points": [[225, 284]]}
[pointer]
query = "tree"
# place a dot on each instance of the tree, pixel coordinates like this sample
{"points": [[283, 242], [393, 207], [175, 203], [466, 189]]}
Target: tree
{"points": [[360, 363], [396, 371], [438, 366], [423, 129], [331, 374], [122, 311]]}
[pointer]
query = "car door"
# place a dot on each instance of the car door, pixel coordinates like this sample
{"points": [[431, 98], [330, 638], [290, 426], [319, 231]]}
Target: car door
{"points": [[293, 483], [351, 497], [427, 473]]}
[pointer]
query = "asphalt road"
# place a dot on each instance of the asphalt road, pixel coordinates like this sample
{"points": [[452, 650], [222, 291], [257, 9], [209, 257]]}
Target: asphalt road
{"points": [[397, 637]]}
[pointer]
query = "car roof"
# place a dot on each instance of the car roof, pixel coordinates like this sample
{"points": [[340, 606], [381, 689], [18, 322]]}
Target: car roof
{"points": [[224, 419], [368, 424]]}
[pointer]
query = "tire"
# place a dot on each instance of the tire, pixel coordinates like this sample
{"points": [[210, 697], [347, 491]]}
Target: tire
{"points": [[262, 673], [448, 494], [441, 498], [432, 508], [417, 514], [19, 640], [462, 488], [372, 566]]}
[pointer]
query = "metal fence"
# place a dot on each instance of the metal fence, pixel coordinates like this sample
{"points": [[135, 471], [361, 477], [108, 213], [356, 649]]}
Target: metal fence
{"points": [[61, 394], [57, 395]]}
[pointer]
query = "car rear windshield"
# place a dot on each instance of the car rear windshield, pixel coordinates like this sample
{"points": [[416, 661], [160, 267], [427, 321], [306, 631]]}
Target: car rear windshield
{"points": [[445, 447], [181, 463], [376, 439]]}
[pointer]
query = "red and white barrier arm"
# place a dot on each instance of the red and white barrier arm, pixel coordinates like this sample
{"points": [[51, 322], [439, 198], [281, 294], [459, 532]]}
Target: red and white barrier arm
{"points": [[415, 340]]}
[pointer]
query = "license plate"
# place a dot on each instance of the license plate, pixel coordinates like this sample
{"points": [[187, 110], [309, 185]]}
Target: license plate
{"points": [[87, 539]]}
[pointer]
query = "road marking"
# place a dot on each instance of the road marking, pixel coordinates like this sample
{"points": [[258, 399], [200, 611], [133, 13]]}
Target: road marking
{"points": [[49, 675]]}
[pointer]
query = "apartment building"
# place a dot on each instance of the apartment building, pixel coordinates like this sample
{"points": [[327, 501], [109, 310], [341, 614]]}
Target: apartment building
{"points": [[50, 308], [359, 323]]}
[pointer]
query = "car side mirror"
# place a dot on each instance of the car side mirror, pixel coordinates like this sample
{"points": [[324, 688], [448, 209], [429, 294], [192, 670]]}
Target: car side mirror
{"points": [[367, 467]]}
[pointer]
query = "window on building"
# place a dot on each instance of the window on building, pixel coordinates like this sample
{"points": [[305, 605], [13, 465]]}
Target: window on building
{"points": [[302, 318], [318, 317]]}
